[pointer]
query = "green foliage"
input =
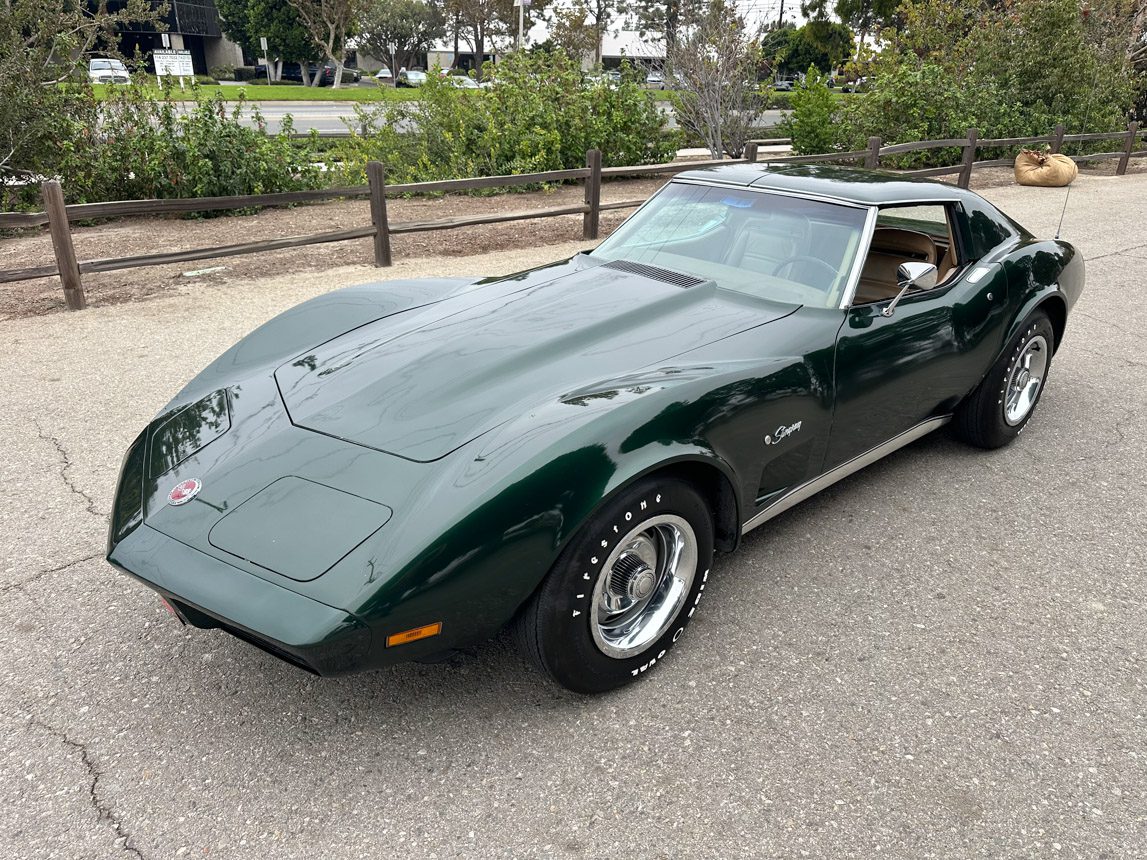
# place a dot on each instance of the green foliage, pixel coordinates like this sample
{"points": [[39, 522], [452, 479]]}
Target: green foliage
{"points": [[1010, 69], [147, 147], [245, 21], [538, 116], [44, 43], [399, 30], [823, 44], [811, 122]]}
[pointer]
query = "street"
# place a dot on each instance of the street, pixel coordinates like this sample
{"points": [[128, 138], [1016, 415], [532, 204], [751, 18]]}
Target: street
{"points": [[335, 116], [941, 656]]}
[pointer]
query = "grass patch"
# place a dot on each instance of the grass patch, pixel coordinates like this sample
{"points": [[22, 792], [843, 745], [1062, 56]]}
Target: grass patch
{"points": [[275, 93]]}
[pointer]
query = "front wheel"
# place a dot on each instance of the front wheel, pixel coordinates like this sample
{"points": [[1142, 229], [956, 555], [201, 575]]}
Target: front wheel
{"points": [[622, 592], [1003, 403]]}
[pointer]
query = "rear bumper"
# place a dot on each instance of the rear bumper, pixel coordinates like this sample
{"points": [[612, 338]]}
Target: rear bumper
{"points": [[210, 593]]}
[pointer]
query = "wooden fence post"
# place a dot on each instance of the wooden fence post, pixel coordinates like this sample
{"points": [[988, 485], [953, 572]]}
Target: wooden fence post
{"points": [[1057, 138], [969, 158], [376, 175], [592, 218], [873, 158], [1128, 148], [62, 243], [751, 152]]}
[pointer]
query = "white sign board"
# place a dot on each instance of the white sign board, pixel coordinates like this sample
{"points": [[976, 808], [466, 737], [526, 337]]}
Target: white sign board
{"points": [[263, 43], [175, 63]]}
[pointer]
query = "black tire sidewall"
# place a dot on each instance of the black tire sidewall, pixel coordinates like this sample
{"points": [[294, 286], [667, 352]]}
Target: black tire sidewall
{"points": [[565, 608], [1036, 325]]}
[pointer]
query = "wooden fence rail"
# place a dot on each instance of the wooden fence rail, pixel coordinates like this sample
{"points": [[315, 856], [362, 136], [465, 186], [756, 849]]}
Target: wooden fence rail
{"points": [[58, 217]]}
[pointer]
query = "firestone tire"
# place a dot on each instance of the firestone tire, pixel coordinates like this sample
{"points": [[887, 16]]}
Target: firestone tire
{"points": [[1006, 399], [622, 592]]}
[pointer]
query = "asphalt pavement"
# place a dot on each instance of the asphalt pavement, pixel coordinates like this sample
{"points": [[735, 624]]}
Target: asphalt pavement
{"points": [[339, 116], [942, 656]]}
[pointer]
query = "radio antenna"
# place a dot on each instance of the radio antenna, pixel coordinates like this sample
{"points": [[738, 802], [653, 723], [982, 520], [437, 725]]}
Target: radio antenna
{"points": [[1086, 12]]}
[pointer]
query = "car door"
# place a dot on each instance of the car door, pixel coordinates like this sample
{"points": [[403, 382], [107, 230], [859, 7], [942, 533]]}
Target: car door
{"points": [[893, 372]]}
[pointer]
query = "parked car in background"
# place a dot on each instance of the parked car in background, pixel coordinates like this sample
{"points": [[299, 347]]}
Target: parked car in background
{"points": [[411, 78], [384, 75], [324, 73], [108, 71], [655, 81], [859, 85], [327, 75], [462, 82]]}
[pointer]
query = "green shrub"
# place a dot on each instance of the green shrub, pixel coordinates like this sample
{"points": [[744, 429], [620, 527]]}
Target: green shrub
{"points": [[206, 80], [147, 147], [247, 73], [1012, 69], [811, 123], [539, 116], [222, 73]]}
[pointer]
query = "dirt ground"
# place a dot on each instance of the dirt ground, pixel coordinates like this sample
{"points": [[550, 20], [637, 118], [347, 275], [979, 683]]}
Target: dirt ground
{"points": [[131, 236]]}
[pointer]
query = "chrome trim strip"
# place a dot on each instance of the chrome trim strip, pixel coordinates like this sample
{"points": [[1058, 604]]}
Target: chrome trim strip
{"points": [[861, 258], [811, 488]]}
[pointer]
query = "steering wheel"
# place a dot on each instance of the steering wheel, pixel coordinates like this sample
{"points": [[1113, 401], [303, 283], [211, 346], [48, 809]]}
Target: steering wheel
{"points": [[807, 258]]}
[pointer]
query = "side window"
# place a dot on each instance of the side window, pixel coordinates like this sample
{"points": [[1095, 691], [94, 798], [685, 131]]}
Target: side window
{"points": [[918, 233]]}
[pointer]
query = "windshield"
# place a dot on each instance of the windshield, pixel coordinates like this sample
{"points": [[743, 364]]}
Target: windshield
{"points": [[416, 76], [103, 65], [772, 246]]}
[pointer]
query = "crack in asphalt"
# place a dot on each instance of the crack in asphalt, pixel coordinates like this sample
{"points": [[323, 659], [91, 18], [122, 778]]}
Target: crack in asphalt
{"points": [[89, 503], [1115, 253], [1127, 362], [20, 585], [104, 812]]}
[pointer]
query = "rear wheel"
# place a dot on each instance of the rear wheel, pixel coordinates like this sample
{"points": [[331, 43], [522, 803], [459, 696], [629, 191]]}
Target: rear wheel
{"points": [[1003, 403], [621, 594]]}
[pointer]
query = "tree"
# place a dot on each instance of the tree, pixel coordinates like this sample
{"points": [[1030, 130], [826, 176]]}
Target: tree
{"points": [[399, 30], [580, 26], [663, 17], [823, 44], [863, 16], [572, 31], [714, 61], [43, 43], [480, 22], [329, 23], [246, 21]]}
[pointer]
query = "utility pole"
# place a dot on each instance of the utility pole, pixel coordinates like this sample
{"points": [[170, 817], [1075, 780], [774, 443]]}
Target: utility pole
{"points": [[521, 4], [781, 15]]}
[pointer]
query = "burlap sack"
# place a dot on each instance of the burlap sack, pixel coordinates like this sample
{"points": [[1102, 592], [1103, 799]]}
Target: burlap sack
{"points": [[1044, 169]]}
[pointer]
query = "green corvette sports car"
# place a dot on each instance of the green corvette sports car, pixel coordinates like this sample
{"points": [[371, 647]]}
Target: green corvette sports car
{"points": [[396, 470]]}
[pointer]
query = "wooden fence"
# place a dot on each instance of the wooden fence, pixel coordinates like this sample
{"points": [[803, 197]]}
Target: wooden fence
{"points": [[58, 216]]}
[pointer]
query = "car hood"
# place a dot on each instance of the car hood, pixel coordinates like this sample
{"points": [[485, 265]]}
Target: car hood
{"points": [[421, 383]]}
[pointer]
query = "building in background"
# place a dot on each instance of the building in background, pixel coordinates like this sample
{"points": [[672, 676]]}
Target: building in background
{"points": [[192, 25]]}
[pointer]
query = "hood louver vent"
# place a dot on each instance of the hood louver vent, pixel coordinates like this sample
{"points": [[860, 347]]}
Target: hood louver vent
{"points": [[655, 272]]}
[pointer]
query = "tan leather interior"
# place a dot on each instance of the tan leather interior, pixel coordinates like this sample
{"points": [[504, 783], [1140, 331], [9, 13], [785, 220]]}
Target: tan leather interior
{"points": [[890, 247]]}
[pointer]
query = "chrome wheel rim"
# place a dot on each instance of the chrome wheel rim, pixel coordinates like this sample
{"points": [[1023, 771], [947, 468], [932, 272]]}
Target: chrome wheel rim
{"points": [[643, 585], [1025, 380]]}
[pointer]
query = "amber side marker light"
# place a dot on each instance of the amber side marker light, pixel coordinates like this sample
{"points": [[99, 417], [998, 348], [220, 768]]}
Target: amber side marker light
{"points": [[413, 635]]}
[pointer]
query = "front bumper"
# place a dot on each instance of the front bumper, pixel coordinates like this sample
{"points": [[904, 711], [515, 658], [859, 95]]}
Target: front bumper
{"points": [[210, 593]]}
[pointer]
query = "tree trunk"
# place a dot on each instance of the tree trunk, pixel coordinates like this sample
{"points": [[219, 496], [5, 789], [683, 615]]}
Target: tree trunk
{"points": [[457, 27], [338, 81], [479, 50], [305, 71]]}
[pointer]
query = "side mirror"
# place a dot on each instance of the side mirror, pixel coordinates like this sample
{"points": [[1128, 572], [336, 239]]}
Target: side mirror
{"points": [[912, 275]]}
